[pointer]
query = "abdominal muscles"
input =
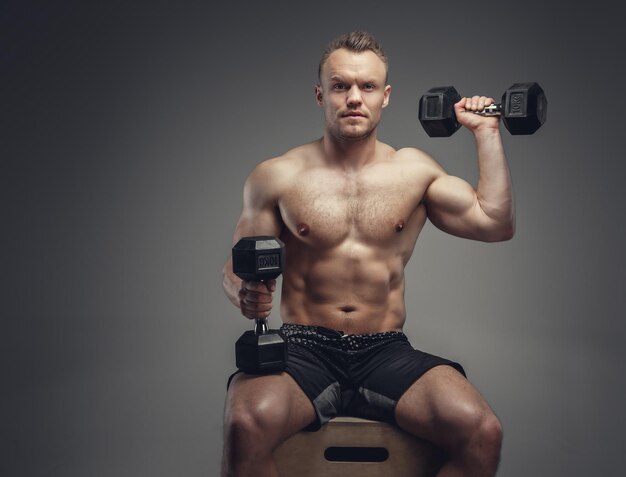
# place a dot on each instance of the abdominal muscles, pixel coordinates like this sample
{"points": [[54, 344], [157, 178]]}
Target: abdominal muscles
{"points": [[352, 287]]}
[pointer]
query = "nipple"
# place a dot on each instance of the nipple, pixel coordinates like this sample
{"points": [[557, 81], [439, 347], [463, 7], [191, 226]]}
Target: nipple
{"points": [[303, 229], [400, 226]]}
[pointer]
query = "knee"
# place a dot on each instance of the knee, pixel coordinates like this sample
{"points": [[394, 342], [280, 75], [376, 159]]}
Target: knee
{"points": [[484, 439], [250, 426], [481, 430], [241, 423], [490, 431], [245, 440]]}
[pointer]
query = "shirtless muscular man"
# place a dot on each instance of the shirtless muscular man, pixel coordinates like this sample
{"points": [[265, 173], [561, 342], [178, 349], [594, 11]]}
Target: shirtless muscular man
{"points": [[349, 209]]}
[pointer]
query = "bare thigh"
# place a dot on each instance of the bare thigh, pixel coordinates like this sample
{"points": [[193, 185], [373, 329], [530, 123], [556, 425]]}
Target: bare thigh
{"points": [[273, 406], [442, 407]]}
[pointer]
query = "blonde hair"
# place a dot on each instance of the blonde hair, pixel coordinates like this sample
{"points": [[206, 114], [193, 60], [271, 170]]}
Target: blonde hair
{"points": [[356, 41]]}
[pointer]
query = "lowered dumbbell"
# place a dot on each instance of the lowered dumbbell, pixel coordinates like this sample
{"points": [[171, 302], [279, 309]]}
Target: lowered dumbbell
{"points": [[257, 259], [523, 109]]}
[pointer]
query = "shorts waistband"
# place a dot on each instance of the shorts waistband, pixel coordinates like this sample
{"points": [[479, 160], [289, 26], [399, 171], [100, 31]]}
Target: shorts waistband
{"points": [[337, 339]]}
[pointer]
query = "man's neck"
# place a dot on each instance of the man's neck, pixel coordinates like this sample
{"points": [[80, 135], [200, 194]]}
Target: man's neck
{"points": [[349, 154]]}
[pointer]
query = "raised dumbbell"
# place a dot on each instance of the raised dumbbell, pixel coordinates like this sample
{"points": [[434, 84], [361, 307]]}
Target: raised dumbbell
{"points": [[523, 109], [257, 259]]}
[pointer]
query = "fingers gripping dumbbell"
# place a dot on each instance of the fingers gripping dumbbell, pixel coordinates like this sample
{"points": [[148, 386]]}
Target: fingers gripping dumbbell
{"points": [[261, 350], [523, 109]]}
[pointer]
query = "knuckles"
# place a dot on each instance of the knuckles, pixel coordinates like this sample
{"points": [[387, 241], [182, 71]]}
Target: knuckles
{"points": [[255, 300], [474, 103]]}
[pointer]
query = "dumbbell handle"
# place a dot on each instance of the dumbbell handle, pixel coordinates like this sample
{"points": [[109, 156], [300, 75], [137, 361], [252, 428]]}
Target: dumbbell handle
{"points": [[491, 110], [260, 326]]}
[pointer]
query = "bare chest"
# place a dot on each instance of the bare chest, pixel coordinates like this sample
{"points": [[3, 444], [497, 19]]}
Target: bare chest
{"points": [[329, 207]]}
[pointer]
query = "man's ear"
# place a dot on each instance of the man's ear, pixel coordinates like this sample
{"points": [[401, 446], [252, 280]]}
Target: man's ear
{"points": [[319, 95], [386, 96]]}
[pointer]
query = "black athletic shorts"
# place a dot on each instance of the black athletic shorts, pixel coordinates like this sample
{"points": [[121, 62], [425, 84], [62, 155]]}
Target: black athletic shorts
{"points": [[355, 375]]}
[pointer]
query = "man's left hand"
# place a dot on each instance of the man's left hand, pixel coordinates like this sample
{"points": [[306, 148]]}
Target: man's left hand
{"points": [[476, 122]]}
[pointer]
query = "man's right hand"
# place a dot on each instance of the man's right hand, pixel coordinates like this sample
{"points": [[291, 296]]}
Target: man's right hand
{"points": [[255, 299]]}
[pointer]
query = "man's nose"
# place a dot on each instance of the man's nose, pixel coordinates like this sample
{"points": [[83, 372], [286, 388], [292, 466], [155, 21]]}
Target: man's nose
{"points": [[354, 96]]}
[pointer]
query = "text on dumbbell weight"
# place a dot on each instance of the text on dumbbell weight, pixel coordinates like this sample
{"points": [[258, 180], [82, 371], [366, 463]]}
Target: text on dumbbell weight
{"points": [[268, 262], [517, 100]]}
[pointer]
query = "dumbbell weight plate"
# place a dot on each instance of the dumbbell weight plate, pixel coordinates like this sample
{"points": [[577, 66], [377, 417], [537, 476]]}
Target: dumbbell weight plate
{"points": [[524, 108], [436, 111]]}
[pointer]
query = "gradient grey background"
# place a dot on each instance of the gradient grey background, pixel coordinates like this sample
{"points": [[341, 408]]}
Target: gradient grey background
{"points": [[127, 131]]}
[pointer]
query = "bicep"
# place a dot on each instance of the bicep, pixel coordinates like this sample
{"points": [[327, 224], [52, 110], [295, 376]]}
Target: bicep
{"points": [[258, 221], [453, 206], [259, 215]]}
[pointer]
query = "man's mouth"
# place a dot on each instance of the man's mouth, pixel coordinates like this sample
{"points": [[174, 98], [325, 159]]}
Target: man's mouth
{"points": [[354, 114]]}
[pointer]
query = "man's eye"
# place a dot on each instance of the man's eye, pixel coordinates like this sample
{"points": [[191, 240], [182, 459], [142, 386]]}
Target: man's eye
{"points": [[368, 87], [339, 87]]}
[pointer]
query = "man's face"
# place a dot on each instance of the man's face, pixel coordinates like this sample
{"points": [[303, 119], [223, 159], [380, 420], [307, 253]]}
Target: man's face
{"points": [[352, 93]]}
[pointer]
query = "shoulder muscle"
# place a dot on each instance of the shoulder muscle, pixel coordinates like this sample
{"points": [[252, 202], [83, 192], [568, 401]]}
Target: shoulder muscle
{"points": [[419, 157]]}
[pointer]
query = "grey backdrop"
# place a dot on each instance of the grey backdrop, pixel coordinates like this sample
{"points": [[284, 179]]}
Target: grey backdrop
{"points": [[127, 131]]}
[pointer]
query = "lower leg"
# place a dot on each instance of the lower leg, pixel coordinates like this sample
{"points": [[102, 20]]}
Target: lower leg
{"points": [[247, 452], [261, 466]]}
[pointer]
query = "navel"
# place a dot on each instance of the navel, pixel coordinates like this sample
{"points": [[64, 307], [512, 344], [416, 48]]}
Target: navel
{"points": [[400, 226], [303, 229]]}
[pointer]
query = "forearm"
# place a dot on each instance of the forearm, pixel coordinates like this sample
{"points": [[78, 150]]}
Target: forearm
{"points": [[231, 283], [495, 190]]}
